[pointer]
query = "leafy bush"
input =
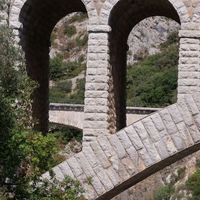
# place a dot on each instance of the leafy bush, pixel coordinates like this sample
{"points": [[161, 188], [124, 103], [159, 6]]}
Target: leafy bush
{"points": [[24, 153], [57, 159], [164, 192], [181, 172], [152, 82], [56, 67], [56, 96], [193, 183], [52, 189], [64, 86], [82, 41], [65, 134], [64, 70], [69, 31]]}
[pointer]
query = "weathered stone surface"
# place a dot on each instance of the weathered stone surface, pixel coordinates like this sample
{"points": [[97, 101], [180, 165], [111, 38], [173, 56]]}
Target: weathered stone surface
{"points": [[117, 146], [119, 168], [152, 131], [76, 169], [124, 139], [157, 121], [139, 127], [65, 169], [100, 155], [135, 139], [170, 126]]}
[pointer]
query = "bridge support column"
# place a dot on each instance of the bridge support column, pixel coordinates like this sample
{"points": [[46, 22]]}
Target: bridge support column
{"points": [[97, 84], [189, 63]]}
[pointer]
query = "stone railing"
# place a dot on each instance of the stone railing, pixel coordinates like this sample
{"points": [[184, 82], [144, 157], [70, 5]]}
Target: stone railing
{"points": [[80, 108]]}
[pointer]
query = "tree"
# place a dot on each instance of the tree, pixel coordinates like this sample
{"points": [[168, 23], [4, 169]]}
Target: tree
{"points": [[24, 153]]}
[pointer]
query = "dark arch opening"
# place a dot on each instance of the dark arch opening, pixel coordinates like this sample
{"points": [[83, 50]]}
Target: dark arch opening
{"points": [[124, 16], [38, 18]]}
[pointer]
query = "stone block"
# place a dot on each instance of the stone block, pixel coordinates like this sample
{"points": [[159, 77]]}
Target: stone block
{"points": [[145, 157], [113, 176], [103, 177], [151, 129], [157, 121], [96, 94], [185, 112], [178, 142], [83, 162], [106, 146], [140, 129], [194, 132], [117, 146], [169, 144], [65, 169], [125, 141], [76, 169], [151, 150], [161, 149], [170, 126], [174, 112], [129, 166], [91, 157], [98, 151], [58, 174], [184, 133], [134, 137], [196, 98], [191, 104], [119, 168]]}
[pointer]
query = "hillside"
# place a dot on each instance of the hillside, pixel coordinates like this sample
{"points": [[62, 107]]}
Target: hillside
{"points": [[68, 60]]}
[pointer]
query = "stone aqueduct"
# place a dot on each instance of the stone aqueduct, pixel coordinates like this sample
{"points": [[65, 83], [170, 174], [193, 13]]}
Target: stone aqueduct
{"points": [[117, 161]]}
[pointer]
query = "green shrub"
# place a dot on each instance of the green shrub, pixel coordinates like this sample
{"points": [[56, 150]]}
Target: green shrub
{"points": [[64, 70], [70, 31], [193, 184], [152, 82], [81, 58], [164, 192], [181, 172], [64, 134], [53, 189], [57, 159], [56, 65], [64, 86], [82, 41]]}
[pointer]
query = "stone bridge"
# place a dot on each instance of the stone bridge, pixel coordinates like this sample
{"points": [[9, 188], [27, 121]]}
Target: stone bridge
{"points": [[115, 161], [72, 115]]}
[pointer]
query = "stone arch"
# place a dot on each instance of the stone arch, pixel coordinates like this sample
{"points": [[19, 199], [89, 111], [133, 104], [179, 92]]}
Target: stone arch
{"points": [[72, 126], [38, 19], [123, 17], [178, 5]]}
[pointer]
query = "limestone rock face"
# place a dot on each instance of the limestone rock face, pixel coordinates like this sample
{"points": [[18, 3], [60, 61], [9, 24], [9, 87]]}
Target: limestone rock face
{"points": [[144, 38]]}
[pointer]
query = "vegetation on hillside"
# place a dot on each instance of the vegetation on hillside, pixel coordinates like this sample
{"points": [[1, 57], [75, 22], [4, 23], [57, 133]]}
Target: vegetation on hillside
{"points": [[152, 82], [180, 186]]}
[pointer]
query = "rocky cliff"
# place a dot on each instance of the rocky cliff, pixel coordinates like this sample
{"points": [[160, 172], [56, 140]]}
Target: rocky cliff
{"points": [[144, 38]]}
